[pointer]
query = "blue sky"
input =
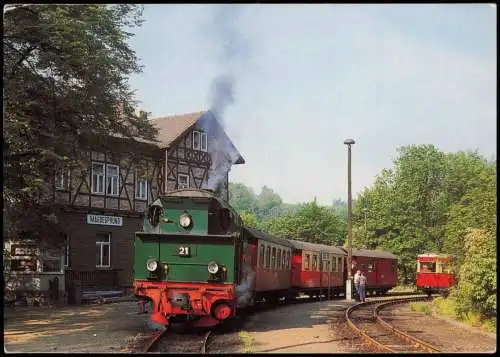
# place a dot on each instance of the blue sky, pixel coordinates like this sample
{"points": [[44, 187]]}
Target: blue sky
{"points": [[309, 76]]}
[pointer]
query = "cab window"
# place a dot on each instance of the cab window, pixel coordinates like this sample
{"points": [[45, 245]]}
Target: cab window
{"points": [[261, 256], [273, 259], [307, 262], [268, 257], [369, 267], [427, 267], [278, 265]]}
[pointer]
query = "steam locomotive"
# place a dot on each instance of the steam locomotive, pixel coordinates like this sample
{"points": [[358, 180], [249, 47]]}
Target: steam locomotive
{"points": [[194, 260]]}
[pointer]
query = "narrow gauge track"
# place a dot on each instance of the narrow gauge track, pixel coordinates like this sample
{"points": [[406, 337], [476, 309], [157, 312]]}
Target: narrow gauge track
{"points": [[364, 320], [168, 341]]}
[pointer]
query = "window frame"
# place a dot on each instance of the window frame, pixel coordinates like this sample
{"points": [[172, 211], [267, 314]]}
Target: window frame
{"points": [[184, 187], [100, 244], [307, 262], [95, 190], [202, 139], [62, 175], [109, 179], [140, 179], [262, 255]]}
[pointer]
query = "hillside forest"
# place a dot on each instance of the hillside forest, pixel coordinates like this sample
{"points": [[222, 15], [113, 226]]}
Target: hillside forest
{"points": [[428, 201]]}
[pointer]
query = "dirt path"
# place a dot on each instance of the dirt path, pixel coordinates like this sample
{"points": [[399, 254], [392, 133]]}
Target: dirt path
{"points": [[300, 328], [95, 328]]}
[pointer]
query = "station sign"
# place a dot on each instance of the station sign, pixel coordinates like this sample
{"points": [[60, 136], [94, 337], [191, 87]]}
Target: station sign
{"points": [[104, 220]]}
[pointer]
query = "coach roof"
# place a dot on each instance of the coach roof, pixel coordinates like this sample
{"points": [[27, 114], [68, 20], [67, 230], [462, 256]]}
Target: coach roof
{"points": [[261, 235], [372, 253], [298, 244]]}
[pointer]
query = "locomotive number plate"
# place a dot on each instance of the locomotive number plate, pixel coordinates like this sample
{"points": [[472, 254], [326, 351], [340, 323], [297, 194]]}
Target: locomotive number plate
{"points": [[184, 251]]}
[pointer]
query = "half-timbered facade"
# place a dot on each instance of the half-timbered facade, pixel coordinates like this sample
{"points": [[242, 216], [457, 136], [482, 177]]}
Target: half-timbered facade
{"points": [[101, 202]]}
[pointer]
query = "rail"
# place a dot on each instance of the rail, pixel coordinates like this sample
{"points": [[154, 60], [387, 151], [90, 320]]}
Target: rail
{"points": [[400, 334]]}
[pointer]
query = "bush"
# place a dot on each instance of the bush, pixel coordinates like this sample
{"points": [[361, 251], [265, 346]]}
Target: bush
{"points": [[476, 288], [447, 307], [490, 325]]}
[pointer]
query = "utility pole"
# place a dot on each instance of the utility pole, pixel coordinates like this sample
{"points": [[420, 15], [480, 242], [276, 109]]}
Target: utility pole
{"points": [[365, 211], [348, 285]]}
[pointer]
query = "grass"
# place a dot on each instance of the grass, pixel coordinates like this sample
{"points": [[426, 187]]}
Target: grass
{"points": [[449, 307], [247, 341], [420, 308]]}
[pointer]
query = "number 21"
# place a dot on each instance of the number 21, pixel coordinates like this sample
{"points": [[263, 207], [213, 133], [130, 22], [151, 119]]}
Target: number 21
{"points": [[183, 250]]}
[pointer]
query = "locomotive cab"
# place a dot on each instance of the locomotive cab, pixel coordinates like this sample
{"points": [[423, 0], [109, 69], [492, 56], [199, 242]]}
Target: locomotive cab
{"points": [[185, 261]]}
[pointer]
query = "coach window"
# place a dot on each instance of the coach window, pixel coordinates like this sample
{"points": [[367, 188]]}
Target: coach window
{"points": [[370, 267], [273, 259], [340, 264], [261, 256], [278, 261], [334, 264], [288, 259], [315, 263], [328, 266], [268, 257], [283, 260], [307, 262]]}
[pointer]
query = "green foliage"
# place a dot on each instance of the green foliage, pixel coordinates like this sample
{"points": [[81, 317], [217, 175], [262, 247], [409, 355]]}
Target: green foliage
{"points": [[249, 220], [477, 284], [66, 71], [415, 206], [420, 308], [311, 223], [447, 307]]}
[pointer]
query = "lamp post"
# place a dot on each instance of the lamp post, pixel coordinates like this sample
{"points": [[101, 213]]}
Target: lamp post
{"points": [[348, 285], [365, 211]]}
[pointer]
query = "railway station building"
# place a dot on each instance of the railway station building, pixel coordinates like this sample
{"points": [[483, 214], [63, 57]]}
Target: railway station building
{"points": [[101, 206]]}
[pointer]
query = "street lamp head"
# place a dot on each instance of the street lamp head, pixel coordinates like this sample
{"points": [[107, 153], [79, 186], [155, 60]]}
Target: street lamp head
{"points": [[349, 142]]}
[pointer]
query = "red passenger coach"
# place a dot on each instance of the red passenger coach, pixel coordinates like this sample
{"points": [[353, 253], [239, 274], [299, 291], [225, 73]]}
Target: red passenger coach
{"points": [[434, 273], [380, 269], [317, 268]]}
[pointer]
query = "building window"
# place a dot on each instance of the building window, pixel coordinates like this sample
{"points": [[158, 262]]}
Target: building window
{"points": [[103, 250], [200, 141], [66, 252], [50, 260], [112, 175], [183, 181], [61, 179], [98, 179], [141, 188]]}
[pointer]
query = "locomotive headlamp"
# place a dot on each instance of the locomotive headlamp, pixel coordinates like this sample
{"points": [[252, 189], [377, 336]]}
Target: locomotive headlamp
{"points": [[151, 265], [213, 268], [185, 220]]}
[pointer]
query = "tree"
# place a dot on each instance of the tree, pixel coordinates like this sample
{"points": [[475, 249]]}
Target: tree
{"points": [[409, 206], [267, 200], [249, 220], [476, 290], [312, 223], [242, 198], [66, 71]]}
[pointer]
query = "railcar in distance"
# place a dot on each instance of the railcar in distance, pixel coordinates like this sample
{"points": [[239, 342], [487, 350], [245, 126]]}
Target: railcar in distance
{"points": [[434, 273], [379, 267]]}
